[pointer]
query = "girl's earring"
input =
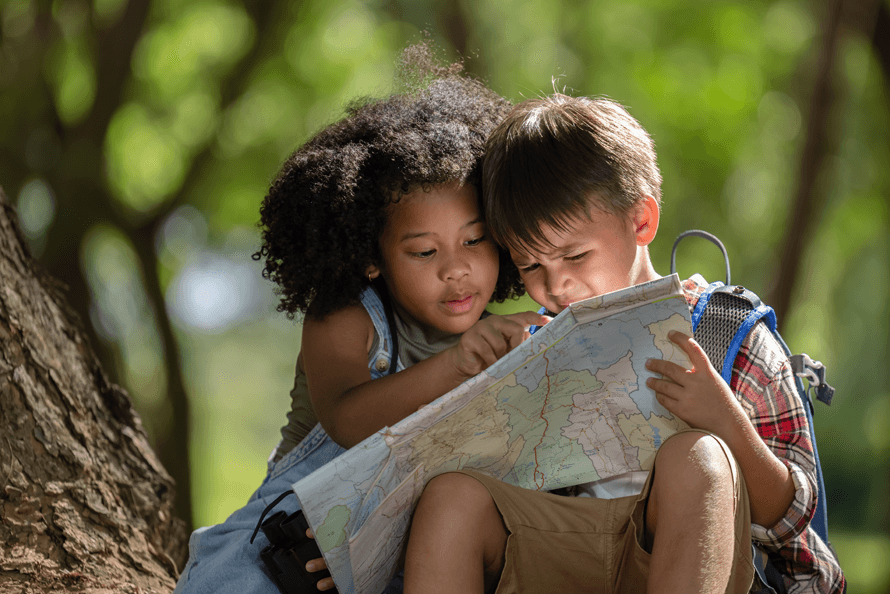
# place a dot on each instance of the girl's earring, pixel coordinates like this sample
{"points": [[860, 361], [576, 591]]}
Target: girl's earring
{"points": [[370, 280]]}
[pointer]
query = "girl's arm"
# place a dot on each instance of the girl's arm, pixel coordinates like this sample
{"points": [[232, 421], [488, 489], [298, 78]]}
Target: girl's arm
{"points": [[351, 406]]}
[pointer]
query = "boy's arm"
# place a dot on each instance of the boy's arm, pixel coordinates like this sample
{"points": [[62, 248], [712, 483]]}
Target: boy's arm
{"points": [[351, 406], [764, 384], [773, 454]]}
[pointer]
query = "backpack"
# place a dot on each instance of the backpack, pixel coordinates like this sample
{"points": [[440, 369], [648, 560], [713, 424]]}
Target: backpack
{"points": [[721, 320]]}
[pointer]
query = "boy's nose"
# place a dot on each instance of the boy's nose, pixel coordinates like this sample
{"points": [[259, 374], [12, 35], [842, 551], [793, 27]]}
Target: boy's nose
{"points": [[558, 284]]}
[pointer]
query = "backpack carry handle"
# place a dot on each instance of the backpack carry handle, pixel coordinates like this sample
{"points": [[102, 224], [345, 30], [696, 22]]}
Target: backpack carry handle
{"points": [[705, 235]]}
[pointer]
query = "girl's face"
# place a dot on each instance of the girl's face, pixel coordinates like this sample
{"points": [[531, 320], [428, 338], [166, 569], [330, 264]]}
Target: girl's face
{"points": [[438, 261]]}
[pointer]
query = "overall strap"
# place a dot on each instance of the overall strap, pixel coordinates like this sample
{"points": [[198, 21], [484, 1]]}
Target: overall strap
{"points": [[393, 331], [376, 302]]}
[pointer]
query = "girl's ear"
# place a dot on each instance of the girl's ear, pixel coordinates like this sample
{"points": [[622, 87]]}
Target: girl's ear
{"points": [[372, 272], [645, 219]]}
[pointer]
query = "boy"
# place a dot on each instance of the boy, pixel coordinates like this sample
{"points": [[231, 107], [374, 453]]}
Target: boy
{"points": [[572, 189]]}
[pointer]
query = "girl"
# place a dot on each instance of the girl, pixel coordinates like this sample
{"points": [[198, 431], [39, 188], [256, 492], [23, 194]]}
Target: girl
{"points": [[373, 230]]}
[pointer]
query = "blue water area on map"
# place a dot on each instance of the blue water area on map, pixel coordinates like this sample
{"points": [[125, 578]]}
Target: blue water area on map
{"points": [[656, 436], [530, 375]]}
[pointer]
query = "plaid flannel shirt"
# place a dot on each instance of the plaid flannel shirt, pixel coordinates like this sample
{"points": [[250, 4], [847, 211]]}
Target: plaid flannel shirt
{"points": [[763, 382]]}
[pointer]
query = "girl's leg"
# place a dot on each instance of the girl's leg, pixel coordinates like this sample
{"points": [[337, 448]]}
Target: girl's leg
{"points": [[457, 538]]}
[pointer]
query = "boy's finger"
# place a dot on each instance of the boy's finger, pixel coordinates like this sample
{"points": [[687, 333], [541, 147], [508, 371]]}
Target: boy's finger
{"points": [[666, 401], [667, 368], [325, 584], [663, 387], [688, 346]]}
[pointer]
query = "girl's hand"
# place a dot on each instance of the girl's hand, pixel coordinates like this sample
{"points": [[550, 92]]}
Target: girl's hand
{"points": [[699, 395], [318, 565], [490, 339]]}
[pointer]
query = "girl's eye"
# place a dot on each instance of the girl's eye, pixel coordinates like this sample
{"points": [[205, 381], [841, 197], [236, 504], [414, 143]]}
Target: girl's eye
{"points": [[426, 254], [476, 241]]}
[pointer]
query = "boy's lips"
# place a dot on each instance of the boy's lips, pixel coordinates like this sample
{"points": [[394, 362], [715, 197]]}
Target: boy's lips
{"points": [[562, 303]]}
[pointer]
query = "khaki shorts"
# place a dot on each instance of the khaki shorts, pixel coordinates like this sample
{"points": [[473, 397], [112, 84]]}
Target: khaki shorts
{"points": [[584, 544]]}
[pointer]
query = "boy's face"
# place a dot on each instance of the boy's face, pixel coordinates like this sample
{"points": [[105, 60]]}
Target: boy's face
{"points": [[593, 256]]}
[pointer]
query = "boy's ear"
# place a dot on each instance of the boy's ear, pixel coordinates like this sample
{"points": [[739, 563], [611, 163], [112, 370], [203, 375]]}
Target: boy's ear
{"points": [[372, 271], [645, 219]]}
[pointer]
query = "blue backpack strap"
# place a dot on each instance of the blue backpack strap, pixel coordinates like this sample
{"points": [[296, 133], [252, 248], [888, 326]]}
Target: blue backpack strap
{"points": [[702, 303], [820, 517], [722, 318], [728, 315], [732, 313]]}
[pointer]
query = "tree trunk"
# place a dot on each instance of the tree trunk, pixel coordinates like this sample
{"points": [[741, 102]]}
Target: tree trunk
{"points": [[809, 200], [86, 505]]}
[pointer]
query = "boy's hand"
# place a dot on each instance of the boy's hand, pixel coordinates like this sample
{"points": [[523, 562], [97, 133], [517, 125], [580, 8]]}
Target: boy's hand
{"points": [[699, 395], [318, 565], [490, 339]]}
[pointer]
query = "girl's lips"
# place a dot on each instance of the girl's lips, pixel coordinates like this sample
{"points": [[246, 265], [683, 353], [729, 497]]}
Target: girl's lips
{"points": [[460, 305]]}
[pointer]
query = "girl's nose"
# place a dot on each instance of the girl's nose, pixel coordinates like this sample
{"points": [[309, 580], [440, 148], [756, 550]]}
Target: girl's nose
{"points": [[455, 268]]}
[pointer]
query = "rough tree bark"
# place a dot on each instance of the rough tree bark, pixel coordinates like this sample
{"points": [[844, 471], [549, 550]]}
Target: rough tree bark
{"points": [[85, 505]]}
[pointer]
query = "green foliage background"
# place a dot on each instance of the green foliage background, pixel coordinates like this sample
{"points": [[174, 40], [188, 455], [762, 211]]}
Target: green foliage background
{"points": [[215, 94]]}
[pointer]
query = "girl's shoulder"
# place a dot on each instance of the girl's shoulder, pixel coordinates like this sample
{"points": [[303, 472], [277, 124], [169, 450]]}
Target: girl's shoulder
{"points": [[351, 323]]}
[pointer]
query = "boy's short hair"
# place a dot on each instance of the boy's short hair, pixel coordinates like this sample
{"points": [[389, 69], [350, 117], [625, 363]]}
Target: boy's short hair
{"points": [[555, 158]]}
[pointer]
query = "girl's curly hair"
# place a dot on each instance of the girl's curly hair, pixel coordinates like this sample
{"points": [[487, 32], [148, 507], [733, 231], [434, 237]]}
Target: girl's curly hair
{"points": [[325, 211]]}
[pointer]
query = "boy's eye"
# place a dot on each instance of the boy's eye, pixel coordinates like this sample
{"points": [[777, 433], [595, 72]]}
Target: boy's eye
{"points": [[529, 268], [576, 257], [476, 241]]}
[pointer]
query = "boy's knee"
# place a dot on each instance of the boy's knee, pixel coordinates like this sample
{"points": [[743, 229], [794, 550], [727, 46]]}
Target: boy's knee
{"points": [[694, 459], [693, 471], [456, 492]]}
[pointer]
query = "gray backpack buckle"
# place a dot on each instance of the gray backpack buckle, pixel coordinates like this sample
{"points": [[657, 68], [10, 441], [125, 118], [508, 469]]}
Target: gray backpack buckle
{"points": [[814, 372]]}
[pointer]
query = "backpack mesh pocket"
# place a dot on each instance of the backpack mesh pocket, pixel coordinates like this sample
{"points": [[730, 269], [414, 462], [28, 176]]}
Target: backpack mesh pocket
{"points": [[715, 332]]}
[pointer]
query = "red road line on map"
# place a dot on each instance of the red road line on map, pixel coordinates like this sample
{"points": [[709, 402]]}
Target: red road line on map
{"points": [[546, 424]]}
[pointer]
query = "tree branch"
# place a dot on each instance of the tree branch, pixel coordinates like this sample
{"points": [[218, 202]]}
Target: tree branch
{"points": [[807, 200]]}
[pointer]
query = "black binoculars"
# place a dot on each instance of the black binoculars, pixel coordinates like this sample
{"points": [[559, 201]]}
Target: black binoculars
{"points": [[288, 552]]}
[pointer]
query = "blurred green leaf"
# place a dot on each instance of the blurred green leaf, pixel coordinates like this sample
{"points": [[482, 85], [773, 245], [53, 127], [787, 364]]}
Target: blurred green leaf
{"points": [[146, 163], [71, 69]]}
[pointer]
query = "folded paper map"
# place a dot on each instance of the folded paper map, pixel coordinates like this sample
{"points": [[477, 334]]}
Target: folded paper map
{"points": [[568, 406]]}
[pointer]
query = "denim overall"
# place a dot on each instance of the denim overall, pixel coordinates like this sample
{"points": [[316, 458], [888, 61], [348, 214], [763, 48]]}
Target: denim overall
{"points": [[221, 558]]}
